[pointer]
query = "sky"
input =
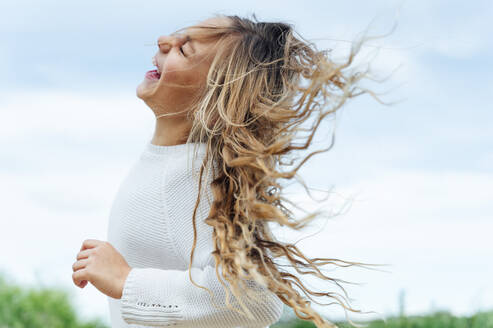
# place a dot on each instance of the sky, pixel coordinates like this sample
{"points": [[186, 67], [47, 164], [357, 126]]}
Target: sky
{"points": [[417, 175]]}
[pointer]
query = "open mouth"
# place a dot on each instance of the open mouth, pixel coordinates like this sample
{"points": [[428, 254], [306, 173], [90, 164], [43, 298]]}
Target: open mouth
{"points": [[153, 74]]}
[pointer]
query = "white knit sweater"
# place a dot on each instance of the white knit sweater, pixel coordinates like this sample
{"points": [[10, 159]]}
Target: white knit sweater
{"points": [[150, 224]]}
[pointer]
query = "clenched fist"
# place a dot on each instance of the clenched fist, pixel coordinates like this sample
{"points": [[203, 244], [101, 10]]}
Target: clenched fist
{"points": [[103, 266]]}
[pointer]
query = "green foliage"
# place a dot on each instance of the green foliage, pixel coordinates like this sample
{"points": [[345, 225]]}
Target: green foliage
{"points": [[439, 319], [38, 308], [296, 323], [22, 307]]}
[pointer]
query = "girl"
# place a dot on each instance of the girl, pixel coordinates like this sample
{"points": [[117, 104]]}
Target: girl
{"points": [[189, 242]]}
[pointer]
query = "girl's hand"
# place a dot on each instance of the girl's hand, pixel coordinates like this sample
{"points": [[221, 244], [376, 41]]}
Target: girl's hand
{"points": [[101, 264]]}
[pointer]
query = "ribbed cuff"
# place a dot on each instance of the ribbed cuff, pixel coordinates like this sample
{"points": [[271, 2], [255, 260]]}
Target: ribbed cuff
{"points": [[136, 304], [128, 296]]}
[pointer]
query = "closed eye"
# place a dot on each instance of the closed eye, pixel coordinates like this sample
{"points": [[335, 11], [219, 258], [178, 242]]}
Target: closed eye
{"points": [[181, 48]]}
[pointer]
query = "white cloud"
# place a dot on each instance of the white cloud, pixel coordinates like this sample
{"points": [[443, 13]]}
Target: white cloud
{"points": [[63, 157], [431, 228], [451, 29], [79, 115], [47, 216]]}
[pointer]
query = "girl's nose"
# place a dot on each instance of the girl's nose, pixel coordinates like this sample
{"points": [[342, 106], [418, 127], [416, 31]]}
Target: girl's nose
{"points": [[164, 47], [166, 42]]}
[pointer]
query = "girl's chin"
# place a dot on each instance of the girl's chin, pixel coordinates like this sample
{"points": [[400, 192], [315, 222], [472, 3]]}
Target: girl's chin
{"points": [[145, 89]]}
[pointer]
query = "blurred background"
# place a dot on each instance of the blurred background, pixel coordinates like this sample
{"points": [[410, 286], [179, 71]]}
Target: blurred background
{"points": [[418, 174]]}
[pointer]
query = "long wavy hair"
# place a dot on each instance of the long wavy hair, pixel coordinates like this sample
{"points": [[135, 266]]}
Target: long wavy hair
{"points": [[263, 85]]}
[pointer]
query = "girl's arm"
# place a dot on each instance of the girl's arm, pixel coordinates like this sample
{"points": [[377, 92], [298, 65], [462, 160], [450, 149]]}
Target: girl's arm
{"points": [[168, 298], [162, 298]]}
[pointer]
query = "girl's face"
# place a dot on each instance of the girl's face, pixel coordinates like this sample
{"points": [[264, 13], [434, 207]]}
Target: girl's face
{"points": [[181, 60]]}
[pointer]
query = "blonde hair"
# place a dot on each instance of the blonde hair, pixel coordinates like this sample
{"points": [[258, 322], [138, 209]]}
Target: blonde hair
{"points": [[263, 84]]}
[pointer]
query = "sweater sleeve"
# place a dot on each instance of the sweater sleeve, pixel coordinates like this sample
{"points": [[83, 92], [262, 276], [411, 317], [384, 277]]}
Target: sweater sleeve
{"points": [[164, 298], [167, 297]]}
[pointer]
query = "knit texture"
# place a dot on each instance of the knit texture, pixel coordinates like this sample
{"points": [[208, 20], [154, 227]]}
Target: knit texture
{"points": [[150, 224]]}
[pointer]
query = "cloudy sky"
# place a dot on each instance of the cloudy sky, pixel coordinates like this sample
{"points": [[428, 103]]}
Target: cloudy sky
{"points": [[419, 173]]}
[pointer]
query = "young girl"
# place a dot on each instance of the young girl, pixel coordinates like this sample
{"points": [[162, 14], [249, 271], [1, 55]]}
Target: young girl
{"points": [[189, 242]]}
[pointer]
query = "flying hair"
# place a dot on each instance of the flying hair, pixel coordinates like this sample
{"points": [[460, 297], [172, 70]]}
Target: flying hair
{"points": [[267, 92]]}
